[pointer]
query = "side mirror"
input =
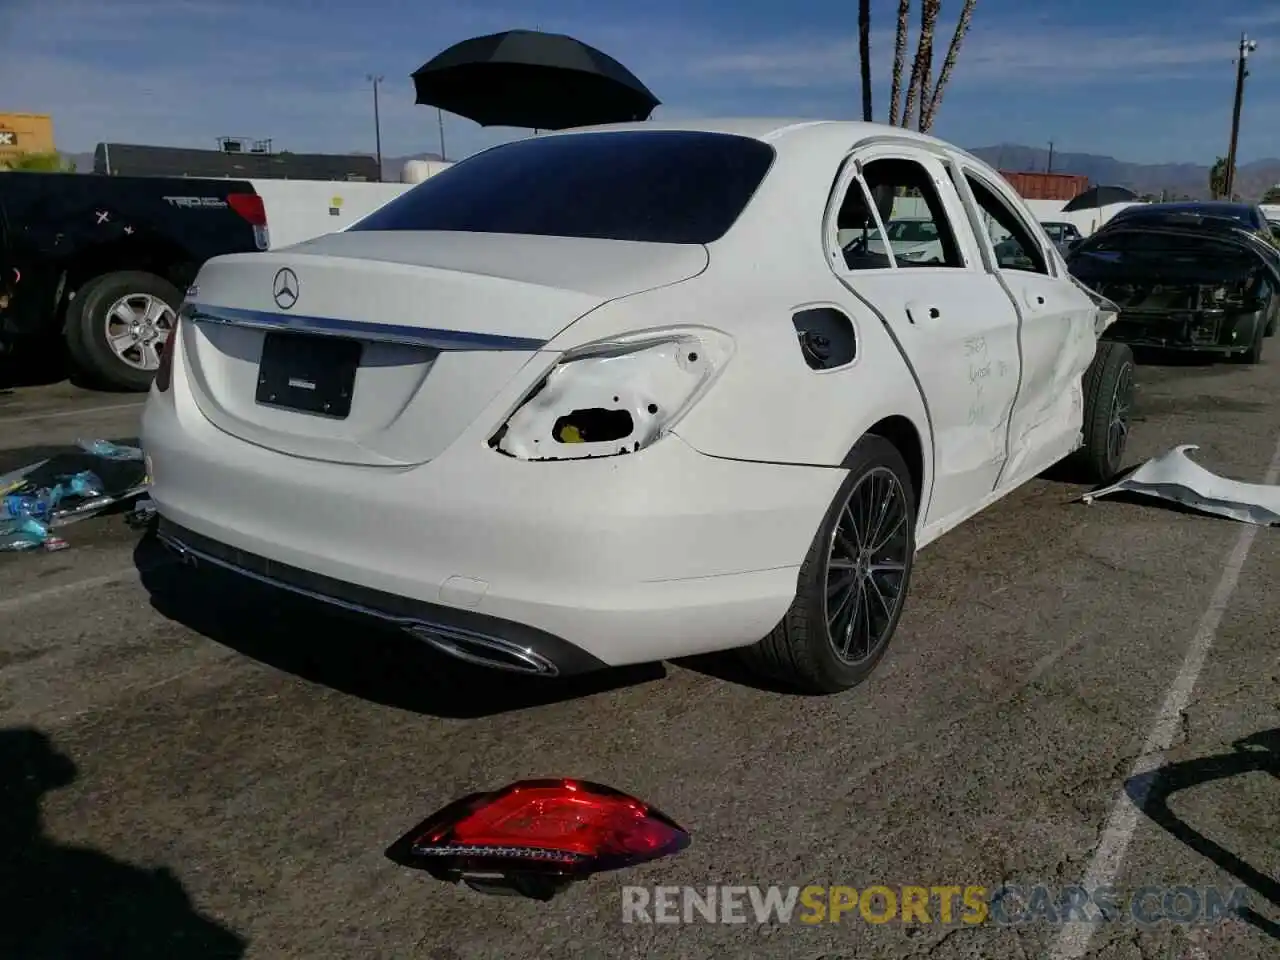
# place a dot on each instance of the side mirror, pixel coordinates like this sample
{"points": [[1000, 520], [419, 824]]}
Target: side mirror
{"points": [[1074, 243]]}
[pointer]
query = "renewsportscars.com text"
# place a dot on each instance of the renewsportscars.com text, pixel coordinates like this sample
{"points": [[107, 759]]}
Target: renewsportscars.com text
{"points": [[966, 905]]}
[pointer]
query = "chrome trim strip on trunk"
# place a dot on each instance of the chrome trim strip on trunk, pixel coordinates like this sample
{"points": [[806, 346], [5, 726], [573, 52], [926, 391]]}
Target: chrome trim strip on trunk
{"points": [[486, 651], [376, 332]]}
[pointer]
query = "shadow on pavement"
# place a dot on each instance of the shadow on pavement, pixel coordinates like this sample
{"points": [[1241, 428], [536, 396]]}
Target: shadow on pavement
{"points": [[63, 901], [33, 368], [346, 652], [1259, 753]]}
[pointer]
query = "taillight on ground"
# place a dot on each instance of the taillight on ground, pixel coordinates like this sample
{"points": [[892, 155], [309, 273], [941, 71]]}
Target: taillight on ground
{"points": [[535, 837], [164, 373]]}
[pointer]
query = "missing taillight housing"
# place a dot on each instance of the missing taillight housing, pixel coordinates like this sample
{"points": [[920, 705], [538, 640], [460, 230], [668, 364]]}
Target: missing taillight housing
{"points": [[535, 837], [164, 373]]}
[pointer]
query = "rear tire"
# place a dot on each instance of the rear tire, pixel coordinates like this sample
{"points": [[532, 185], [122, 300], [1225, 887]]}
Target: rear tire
{"points": [[1108, 402], [822, 646], [88, 316]]}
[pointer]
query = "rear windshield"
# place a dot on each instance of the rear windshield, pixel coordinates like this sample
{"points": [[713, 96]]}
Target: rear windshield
{"points": [[659, 186]]}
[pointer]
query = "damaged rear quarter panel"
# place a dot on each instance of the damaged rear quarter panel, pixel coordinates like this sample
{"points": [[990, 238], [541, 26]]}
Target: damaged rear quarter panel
{"points": [[767, 404]]}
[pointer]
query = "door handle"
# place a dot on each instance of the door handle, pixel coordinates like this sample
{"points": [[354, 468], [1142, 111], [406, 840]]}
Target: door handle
{"points": [[919, 313]]}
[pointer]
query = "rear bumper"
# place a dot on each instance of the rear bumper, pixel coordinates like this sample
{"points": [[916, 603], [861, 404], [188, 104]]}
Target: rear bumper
{"points": [[466, 635], [586, 563]]}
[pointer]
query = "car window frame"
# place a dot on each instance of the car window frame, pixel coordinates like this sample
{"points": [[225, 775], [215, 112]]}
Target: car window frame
{"points": [[851, 171], [1022, 216]]}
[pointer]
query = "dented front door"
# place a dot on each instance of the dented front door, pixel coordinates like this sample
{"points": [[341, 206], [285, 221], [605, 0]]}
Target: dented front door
{"points": [[1057, 336]]}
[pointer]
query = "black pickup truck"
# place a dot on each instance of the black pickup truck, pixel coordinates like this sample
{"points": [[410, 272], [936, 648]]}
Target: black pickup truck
{"points": [[101, 263]]}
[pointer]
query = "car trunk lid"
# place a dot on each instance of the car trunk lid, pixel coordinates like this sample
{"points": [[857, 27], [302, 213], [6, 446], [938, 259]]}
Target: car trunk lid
{"points": [[381, 348]]}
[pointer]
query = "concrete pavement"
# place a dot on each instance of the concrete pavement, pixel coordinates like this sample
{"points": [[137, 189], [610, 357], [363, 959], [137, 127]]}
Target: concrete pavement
{"points": [[241, 760]]}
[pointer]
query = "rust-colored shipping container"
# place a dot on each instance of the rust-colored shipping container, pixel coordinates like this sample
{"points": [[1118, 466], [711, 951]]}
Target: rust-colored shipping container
{"points": [[1047, 186]]}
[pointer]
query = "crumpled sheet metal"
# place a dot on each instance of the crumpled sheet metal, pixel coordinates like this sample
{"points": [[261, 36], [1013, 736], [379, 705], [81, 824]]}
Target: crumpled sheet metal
{"points": [[1176, 477]]}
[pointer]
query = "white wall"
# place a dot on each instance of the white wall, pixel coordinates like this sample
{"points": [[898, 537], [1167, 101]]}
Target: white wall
{"points": [[300, 210]]}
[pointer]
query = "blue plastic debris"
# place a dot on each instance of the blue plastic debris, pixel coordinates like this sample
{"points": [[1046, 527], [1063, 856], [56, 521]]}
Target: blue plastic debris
{"points": [[43, 504], [41, 497], [109, 451], [28, 533]]}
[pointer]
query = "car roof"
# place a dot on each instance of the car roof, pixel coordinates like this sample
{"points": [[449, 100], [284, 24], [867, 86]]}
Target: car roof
{"points": [[774, 130], [1204, 208]]}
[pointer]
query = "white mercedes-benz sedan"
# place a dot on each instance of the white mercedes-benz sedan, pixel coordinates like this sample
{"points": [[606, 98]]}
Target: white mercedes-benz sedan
{"points": [[634, 392]]}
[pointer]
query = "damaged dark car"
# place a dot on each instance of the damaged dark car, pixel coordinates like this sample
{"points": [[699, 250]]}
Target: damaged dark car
{"points": [[1185, 277]]}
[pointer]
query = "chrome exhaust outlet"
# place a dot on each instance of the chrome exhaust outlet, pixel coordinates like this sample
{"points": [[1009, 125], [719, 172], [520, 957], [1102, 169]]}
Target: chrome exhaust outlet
{"points": [[184, 556], [483, 651]]}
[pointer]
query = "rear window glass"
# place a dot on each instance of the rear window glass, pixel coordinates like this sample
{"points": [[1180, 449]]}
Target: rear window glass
{"points": [[659, 186]]}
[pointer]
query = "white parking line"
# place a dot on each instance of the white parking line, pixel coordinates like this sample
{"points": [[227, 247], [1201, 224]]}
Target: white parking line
{"points": [[1108, 859], [78, 412]]}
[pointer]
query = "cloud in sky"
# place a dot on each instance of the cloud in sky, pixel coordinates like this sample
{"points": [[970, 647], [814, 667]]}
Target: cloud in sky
{"points": [[1143, 80]]}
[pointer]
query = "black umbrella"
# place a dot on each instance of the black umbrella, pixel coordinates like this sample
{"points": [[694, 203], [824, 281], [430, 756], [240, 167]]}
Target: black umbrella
{"points": [[523, 78], [1096, 197]]}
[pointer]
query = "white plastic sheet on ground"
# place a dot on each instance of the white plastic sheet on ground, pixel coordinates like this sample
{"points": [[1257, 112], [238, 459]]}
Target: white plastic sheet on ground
{"points": [[1175, 476]]}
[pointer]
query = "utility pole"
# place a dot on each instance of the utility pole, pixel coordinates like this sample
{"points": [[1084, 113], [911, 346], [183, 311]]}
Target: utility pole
{"points": [[1247, 46], [440, 120], [1049, 166], [376, 79]]}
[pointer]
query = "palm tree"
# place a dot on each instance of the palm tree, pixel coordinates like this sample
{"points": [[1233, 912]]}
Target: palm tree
{"points": [[1218, 178], [864, 55], [918, 85], [899, 58], [948, 64]]}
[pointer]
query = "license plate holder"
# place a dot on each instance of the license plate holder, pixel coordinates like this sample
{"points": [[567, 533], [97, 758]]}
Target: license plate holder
{"points": [[308, 374]]}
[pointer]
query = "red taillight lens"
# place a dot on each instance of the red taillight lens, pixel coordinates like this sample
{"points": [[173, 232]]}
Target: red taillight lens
{"points": [[548, 829], [249, 206], [164, 373]]}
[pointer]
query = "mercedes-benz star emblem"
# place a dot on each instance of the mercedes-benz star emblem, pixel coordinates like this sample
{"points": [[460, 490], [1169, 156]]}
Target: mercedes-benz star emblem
{"points": [[285, 288]]}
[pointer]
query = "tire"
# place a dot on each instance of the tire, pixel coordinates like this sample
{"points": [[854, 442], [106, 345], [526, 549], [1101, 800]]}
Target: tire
{"points": [[800, 650], [1271, 324], [1108, 402], [87, 320]]}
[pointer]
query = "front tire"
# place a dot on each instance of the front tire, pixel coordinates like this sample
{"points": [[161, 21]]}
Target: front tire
{"points": [[116, 325], [1108, 405], [853, 582]]}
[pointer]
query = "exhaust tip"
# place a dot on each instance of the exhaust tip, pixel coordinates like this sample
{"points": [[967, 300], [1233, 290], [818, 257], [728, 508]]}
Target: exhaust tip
{"points": [[484, 651]]}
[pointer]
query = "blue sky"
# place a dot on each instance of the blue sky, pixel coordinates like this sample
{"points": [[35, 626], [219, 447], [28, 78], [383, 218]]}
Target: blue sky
{"points": [[1142, 80]]}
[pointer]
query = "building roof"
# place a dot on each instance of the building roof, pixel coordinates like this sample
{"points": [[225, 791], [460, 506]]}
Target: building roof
{"points": [[134, 160]]}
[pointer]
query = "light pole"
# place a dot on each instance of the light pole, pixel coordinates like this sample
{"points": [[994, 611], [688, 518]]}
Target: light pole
{"points": [[376, 79], [440, 120], [1049, 166], [1247, 46]]}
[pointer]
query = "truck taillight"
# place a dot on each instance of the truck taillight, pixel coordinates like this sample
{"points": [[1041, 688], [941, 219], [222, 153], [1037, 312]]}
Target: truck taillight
{"points": [[249, 206], [252, 209]]}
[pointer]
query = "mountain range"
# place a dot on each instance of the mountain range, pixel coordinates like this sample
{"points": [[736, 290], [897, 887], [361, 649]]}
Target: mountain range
{"points": [[1172, 179], [1147, 179]]}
